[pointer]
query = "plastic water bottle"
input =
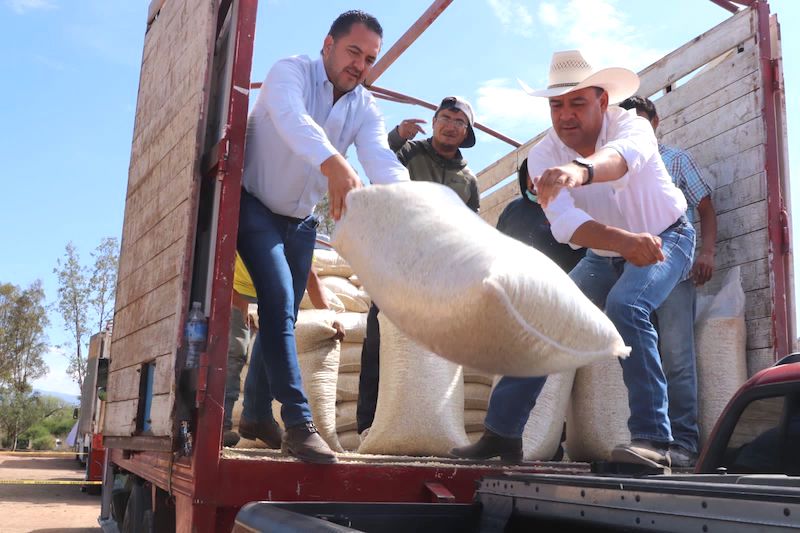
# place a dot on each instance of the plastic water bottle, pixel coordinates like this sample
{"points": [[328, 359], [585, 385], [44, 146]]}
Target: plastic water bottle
{"points": [[196, 332]]}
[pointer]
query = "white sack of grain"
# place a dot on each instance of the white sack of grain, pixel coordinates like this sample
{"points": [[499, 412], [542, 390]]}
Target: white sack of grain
{"points": [[476, 376], [318, 355], [334, 303], [347, 386], [721, 349], [350, 360], [349, 440], [542, 433], [330, 263], [476, 395], [464, 290], [473, 420], [346, 416], [353, 298], [354, 325], [420, 407], [598, 415]]}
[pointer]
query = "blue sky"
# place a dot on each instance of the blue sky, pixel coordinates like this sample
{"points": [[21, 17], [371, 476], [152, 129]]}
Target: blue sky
{"points": [[71, 72]]}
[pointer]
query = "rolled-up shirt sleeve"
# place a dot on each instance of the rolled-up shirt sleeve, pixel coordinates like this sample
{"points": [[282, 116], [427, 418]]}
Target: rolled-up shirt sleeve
{"points": [[379, 162], [636, 142], [284, 102], [562, 213]]}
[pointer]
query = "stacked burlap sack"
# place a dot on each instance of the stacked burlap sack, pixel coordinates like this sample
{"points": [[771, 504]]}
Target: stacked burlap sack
{"points": [[477, 390], [343, 290]]}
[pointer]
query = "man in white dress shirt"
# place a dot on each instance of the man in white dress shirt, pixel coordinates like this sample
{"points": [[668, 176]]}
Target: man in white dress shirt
{"points": [[308, 113], [603, 186]]}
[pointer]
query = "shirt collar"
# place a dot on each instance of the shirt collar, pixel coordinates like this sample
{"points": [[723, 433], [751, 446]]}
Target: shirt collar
{"points": [[325, 83]]}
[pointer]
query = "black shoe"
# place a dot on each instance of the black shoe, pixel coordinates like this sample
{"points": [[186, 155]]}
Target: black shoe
{"points": [[491, 445], [229, 438], [268, 432], [303, 441], [681, 457]]}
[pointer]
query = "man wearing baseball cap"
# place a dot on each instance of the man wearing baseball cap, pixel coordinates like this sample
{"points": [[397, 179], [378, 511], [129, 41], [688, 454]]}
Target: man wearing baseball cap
{"points": [[438, 159], [602, 183]]}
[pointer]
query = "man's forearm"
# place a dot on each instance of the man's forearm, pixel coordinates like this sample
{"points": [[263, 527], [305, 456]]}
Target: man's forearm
{"points": [[708, 225], [595, 235], [608, 164]]}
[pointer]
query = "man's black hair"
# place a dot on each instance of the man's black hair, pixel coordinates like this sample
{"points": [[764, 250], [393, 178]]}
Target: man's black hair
{"points": [[341, 26], [644, 105]]}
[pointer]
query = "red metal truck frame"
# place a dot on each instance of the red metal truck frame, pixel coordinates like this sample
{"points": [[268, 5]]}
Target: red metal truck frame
{"points": [[209, 488]]}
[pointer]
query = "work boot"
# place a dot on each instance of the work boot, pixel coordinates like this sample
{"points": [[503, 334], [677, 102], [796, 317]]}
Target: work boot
{"points": [[642, 452], [491, 445], [268, 431], [229, 438], [303, 441], [681, 457]]}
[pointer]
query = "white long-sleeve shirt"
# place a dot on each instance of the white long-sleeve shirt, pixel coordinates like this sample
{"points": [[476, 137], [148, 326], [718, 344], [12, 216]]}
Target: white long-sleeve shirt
{"points": [[643, 200], [295, 126]]}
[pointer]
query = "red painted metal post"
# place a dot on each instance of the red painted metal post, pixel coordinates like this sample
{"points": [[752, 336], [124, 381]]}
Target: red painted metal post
{"points": [[411, 34], [206, 455], [775, 203]]}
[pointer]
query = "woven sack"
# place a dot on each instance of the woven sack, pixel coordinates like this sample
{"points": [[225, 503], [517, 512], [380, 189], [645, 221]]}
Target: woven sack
{"points": [[420, 408], [597, 419], [353, 298], [464, 290]]}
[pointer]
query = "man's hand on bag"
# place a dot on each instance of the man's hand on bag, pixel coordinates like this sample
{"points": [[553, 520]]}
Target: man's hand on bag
{"points": [[341, 180], [642, 249]]}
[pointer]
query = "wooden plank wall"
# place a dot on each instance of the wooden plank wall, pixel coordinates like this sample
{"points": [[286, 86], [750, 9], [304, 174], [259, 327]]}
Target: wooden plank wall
{"points": [[158, 230], [716, 115]]}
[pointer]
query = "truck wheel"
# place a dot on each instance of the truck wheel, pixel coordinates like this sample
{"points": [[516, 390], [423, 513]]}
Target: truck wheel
{"points": [[137, 510]]}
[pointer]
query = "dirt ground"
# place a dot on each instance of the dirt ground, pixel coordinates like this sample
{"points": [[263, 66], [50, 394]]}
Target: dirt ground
{"points": [[26, 508]]}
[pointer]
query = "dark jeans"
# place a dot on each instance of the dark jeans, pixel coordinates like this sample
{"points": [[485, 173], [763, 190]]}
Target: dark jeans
{"points": [[370, 372], [277, 251]]}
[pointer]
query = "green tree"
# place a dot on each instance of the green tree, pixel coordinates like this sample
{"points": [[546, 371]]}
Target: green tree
{"points": [[103, 282], [22, 415], [74, 295], [86, 298], [23, 319], [323, 212]]}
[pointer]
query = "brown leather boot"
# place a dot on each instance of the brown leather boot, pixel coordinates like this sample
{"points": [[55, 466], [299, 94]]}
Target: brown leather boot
{"points": [[489, 446], [268, 432], [303, 441]]}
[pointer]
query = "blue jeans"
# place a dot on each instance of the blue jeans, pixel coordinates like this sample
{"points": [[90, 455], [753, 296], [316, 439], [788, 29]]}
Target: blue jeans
{"points": [[277, 251], [676, 343], [629, 294]]}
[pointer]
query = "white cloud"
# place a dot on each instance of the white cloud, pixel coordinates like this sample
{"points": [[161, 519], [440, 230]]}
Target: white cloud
{"points": [[504, 107], [599, 30], [22, 6], [56, 379], [514, 16]]}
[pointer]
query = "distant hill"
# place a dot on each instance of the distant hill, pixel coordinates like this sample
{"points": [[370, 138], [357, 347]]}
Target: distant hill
{"points": [[69, 398]]}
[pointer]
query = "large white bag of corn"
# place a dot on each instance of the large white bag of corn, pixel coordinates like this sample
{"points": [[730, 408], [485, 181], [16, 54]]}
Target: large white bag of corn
{"points": [[318, 355], [354, 326], [542, 433], [598, 415], [330, 263], [420, 407], [464, 290], [720, 340], [350, 359], [353, 298], [334, 303]]}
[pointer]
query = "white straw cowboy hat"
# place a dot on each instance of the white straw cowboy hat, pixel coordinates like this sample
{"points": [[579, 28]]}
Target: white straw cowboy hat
{"points": [[569, 71]]}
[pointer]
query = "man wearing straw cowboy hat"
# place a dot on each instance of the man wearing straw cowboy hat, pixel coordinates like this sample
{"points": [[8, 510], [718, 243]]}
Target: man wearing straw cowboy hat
{"points": [[603, 185]]}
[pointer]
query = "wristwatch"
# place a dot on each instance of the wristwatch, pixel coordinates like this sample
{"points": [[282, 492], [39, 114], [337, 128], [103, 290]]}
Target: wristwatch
{"points": [[585, 163]]}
